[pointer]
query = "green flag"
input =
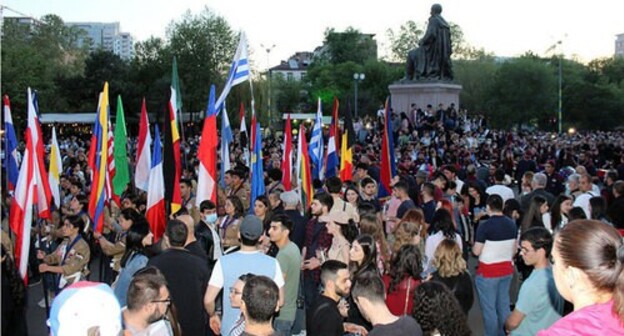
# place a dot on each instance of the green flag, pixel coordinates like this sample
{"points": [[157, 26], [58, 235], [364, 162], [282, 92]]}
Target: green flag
{"points": [[122, 174], [175, 83]]}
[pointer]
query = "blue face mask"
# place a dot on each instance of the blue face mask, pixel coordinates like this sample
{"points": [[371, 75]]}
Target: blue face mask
{"points": [[211, 218]]}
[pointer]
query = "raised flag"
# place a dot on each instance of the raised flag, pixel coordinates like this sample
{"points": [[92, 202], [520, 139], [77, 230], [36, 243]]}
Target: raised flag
{"points": [[99, 190], [55, 169], [155, 214], [172, 165], [316, 143], [388, 165], [31, 188], [239, 72], [144, 157], [257, 169], [244, 142], [331, 158], [10, 150], [226, 140], [122, 171], [207, 154], [287, 157], [303, 170], [346, 148]]}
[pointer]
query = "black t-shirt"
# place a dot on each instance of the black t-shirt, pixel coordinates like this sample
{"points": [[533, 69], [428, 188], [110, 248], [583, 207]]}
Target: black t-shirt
{"points": [[405, 325], [187, 277], [324, 318], [404, 207]]}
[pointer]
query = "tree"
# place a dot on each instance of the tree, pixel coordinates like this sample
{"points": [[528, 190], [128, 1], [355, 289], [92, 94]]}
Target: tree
{"points": [[523, 92], [404, 40], [476, 77], [348, 46], [204, 45]]}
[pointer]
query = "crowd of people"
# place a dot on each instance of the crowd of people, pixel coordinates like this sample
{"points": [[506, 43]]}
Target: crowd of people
{"points": [[548, 208]]}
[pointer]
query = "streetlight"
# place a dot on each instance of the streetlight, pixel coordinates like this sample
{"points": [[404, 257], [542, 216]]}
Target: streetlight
{"points": [[358, 77], [268, 51]]}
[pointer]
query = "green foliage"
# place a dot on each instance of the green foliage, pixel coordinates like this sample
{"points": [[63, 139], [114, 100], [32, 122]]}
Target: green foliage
{"points": [[523, 91], [475, 76], [348, 46], [404, 40]]}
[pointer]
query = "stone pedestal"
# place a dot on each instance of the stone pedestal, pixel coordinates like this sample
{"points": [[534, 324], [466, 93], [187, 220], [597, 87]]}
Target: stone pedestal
{"points": [[423, 94]]}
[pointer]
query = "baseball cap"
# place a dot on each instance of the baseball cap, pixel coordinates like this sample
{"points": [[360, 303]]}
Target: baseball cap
{"points": [[85, 306], [251, 227]]}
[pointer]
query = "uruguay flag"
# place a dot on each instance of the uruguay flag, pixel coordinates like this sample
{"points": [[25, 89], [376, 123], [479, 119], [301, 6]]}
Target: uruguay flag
{"points": [[316, 143], [257, 170], [11, 158], [155, 213], [239, 72]]}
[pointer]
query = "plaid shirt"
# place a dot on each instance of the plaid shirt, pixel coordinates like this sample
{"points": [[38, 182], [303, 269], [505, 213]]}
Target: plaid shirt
{"points": [[316, 237]]}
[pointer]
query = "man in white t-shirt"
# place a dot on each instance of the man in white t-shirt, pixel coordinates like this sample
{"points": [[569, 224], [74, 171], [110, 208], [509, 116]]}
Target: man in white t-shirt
{"points": [[582, 200], [229, 267], [499, 188]]}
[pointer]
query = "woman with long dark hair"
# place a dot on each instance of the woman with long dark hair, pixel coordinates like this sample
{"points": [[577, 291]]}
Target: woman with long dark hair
{"points": [[363, 256], [371, 224], [559, 212], [533, 218], [230, 222], [402, 279], [134, 257]]}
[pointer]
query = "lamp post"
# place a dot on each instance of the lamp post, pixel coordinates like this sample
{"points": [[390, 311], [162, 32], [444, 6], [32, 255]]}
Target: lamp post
{"points": [[357, 77], [268, 51], [559, 112]]}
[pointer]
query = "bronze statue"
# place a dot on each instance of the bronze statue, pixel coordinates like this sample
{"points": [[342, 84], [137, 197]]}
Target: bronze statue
{"points": [[432, 58]]}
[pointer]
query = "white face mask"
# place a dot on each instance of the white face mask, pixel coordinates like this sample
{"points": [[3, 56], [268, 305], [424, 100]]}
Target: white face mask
{"points": [[211, 218]]}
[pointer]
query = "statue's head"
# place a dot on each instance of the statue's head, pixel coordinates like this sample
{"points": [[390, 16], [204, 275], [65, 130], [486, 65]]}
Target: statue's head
{"points": [[436, 9]]}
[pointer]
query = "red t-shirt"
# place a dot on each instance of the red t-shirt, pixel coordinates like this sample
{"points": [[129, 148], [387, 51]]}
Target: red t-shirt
{"points": [[401, 300]]}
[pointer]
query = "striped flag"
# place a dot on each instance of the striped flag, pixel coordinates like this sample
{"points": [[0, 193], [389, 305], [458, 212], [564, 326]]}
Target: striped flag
{"points": [[287, 157], [207, 154], [11, 160], [226, 140], [239, 72], [31, 188], [144, 157], [331, 158], [111, 169], [388, 165], [316, 143], [346, 148], [55, 169], [172, 164], [155, 214], [100, 165], [303, 170]]}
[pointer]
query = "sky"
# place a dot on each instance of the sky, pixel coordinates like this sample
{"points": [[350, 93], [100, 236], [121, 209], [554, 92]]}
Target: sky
{"points": [[587, 29]]}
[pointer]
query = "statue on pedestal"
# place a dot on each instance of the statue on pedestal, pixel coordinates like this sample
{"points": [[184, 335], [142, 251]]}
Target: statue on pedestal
{"points": [[431, 60]]}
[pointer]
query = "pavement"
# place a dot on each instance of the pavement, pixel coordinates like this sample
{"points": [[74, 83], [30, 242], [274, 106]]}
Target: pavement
{"points": [[36, 316]]}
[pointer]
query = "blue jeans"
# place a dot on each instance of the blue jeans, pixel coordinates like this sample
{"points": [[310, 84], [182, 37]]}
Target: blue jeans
{"points": [[494, 303], [283, 327]]}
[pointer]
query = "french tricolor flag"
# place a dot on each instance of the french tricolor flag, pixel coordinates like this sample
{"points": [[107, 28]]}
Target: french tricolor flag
{"points": [[155, 214]]}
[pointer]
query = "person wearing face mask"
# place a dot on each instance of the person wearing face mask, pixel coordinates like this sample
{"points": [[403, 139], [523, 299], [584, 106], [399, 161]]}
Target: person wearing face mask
{"points": [[206, 232]]}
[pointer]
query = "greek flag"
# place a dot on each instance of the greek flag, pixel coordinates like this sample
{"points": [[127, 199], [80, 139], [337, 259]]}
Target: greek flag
{"points": [[316, 143], [239, 71]]}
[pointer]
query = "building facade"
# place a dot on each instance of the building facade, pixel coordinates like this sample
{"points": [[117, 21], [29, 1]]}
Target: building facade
{"points": [[619, 45], [295, 68], [106, 36]]}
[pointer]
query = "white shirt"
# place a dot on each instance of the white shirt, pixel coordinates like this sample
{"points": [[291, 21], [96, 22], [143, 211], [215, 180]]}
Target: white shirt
{"points": [[501, 190], [216, 278], [582, 201]]}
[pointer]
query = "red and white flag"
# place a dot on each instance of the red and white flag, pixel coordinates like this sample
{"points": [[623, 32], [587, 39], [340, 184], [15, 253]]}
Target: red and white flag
{"points": [[32, 188], [287, 157], [207, 155], [144, 157]]}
